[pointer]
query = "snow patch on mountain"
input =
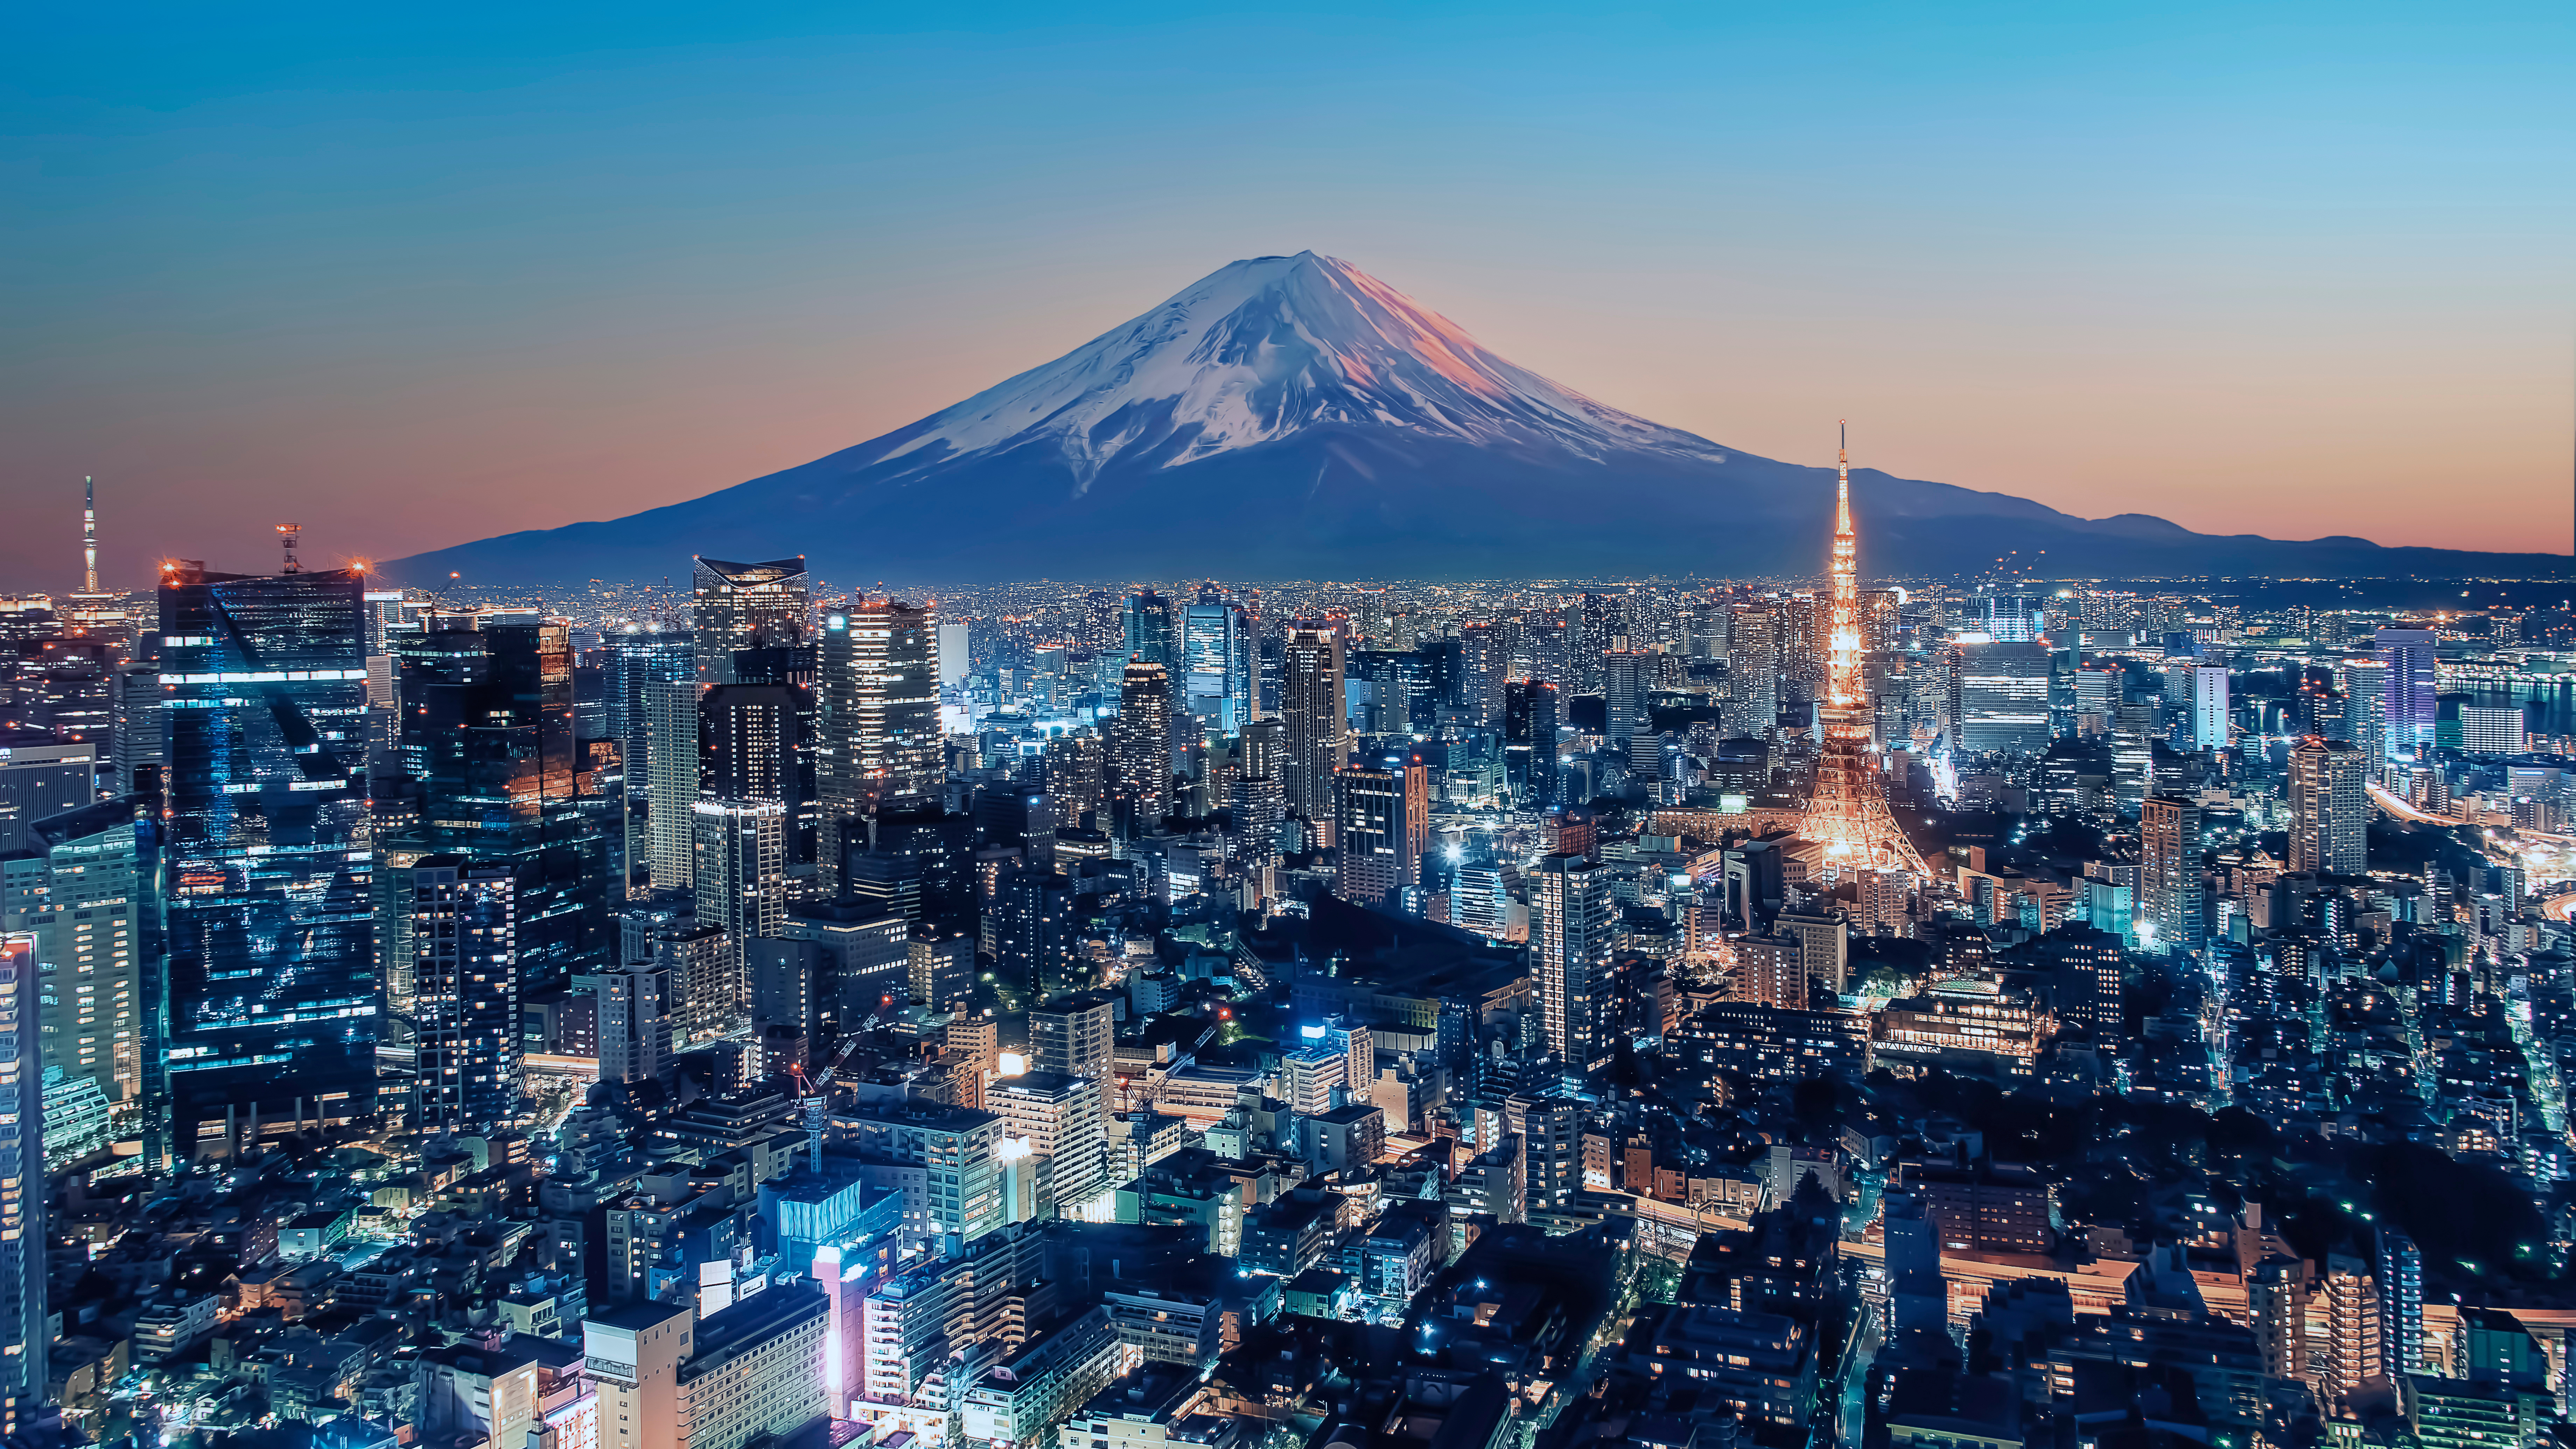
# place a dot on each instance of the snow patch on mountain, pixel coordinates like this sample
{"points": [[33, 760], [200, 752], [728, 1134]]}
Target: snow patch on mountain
{"points": [[1260, 349]]}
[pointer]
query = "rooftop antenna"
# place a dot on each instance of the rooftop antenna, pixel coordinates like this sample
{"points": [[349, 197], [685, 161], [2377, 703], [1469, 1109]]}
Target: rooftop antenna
{"points": [[89, 535], [287, 534]]}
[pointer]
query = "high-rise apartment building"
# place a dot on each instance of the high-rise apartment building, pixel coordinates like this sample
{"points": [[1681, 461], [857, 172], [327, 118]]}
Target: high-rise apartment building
{"points": [[1032, 933], [1627, 677], [739, 878], [273, 990], [1530, 721], [465, 994], [631, 658], [671, 779], [1140, 749], [2400, 1277], [748, 743], [1318, 729], [2329, 807], [2172, 896], [1061, 1119], [1074, 1035], [1572, 940], [2354, 1353], [635, 1020], [740, 606], [1484, 663], [1752, 671]]}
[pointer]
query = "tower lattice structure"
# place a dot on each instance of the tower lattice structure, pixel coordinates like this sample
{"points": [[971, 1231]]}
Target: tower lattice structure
{"points": [[1848, 812]]}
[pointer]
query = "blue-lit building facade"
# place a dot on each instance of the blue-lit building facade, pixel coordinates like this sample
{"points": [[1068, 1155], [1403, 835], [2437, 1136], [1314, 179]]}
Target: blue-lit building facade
{"points": [[273, 991]]}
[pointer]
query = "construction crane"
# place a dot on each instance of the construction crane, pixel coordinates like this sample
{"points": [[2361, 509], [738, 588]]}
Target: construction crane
{"points": [[816, 1094]]}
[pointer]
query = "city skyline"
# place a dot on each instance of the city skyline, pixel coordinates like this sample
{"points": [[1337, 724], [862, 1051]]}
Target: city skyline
{"points": [[397, 289], [1378, 855]]}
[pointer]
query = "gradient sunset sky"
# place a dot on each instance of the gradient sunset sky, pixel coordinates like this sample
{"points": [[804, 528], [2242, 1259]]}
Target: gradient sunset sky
{"points": [[417, 278]]}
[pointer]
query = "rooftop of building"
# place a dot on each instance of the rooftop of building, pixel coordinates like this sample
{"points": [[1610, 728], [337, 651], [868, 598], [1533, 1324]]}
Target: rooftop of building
{"points": [[636, 1317], [751, 1322]]}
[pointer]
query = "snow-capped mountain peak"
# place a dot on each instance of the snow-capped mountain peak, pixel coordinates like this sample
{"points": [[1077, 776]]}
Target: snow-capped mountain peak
{"points": [[1263, 348]]}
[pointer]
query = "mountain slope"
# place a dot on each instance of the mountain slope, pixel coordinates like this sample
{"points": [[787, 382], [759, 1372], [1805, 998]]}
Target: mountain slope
{"points": [[1293, 417]]}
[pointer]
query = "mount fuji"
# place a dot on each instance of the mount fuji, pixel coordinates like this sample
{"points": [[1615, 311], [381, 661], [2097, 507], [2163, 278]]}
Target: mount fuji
{"points": [[1293, 417]]}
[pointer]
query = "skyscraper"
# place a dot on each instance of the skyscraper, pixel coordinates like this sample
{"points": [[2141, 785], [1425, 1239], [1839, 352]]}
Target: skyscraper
{"points": [[1999, 697], [1216, 663], [634, 657], [2209, 706], [1572, 916], [2329, 808], [671, 779], [748, 743], [24, 1340], [1033, 945], [1150, 629], [88, 891], [1318, 730], [2172, 895], [740, 880], [1529, 739], [878, 737], [1752, 672], [1140, 749], [2364, 683], [1381, 828], [737, 606], [490, 728], [273, 991], [1484, 663], [1627, 675], [465, 994], [2408, 712]]}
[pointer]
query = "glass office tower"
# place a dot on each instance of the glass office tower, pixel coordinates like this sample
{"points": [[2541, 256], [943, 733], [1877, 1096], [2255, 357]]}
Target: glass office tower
{"points": [[273, 1004]]}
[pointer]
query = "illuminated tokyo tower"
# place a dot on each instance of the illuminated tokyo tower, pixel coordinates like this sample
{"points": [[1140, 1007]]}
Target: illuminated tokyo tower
{"points": [[1848, 813]]}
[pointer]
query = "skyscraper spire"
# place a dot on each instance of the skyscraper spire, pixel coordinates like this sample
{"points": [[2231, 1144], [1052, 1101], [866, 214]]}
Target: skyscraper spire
{"points": [[89, 535]]}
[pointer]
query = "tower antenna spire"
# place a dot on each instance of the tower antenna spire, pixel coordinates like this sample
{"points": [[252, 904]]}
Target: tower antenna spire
{"points": [[89, 535]]}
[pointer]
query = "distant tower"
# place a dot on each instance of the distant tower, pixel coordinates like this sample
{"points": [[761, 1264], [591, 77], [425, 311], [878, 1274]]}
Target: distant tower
{"points": [[89, 535], [89, 610], [1848, 813]]}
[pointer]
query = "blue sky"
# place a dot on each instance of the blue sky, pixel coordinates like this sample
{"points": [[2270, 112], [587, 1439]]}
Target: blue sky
{"points": [[414, 278]]}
